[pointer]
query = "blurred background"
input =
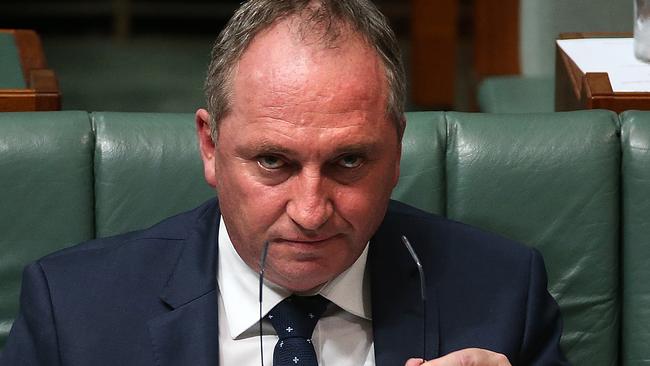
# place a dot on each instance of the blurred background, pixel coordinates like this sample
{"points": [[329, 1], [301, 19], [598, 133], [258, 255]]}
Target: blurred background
{"points": [[151, 55], [146, 55]]}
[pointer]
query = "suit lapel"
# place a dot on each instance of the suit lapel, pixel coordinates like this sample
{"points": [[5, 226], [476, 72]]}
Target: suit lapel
{"points": [[397, 309], [188, 333]]}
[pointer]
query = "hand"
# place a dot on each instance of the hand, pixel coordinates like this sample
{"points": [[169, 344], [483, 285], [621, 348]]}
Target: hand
{"points": [[465, 357]]}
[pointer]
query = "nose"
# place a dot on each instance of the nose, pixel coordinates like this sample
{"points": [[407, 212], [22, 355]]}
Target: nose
{"points": [[310, 206]]}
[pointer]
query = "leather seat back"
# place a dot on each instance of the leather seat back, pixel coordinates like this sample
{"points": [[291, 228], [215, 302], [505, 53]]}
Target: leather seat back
{"points": [[635, 136], [46, 194], [550, 181], [422, 168], [147, 167]]}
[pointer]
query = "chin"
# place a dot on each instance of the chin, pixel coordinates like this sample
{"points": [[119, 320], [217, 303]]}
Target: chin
{"points": [[303, 276]]}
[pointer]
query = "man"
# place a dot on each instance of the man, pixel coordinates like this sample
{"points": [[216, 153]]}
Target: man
{"points": [[302, 141]]}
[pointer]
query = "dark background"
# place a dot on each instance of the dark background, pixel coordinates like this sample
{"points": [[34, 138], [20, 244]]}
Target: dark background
{"points": [[138, 55]]}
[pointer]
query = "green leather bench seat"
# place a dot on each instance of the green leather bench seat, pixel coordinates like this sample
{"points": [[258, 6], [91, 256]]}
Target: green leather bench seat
{"points": [[552, 181], [516, 94], [635, 134], [46, 194]]}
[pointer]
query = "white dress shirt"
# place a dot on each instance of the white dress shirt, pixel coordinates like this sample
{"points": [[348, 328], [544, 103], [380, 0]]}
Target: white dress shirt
{"points": [[342, 337]]}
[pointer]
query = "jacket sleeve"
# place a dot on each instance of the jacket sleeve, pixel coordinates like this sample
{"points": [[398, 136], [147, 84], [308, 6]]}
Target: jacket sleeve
{"points": [[541, 338], [33, 337]]}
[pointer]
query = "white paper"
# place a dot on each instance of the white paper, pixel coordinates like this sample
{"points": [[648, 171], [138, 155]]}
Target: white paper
{"points": [[615, 56]]}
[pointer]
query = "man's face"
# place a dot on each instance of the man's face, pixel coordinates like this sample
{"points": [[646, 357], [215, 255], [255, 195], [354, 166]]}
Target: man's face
{"points": [[306, 158]]}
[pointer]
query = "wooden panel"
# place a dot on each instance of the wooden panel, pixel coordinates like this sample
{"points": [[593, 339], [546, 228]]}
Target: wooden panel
{"points": [[496, 38], [433, 55], [42, 92]]}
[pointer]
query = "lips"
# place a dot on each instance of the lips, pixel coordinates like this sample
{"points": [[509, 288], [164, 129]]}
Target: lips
{"points": [[304, 241], [307, 241]]}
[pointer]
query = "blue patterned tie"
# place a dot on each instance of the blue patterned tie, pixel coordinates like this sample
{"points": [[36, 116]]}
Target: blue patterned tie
{"points": [[294, 320]]}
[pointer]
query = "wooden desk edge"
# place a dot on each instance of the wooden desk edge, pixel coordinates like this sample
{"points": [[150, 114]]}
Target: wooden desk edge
{"points": [[593, 89]]}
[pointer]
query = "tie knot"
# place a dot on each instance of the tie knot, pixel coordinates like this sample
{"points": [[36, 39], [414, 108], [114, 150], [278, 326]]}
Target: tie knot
{"points": [[296, 316]]}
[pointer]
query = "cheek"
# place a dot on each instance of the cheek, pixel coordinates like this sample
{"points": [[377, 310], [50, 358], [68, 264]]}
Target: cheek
{"points": [[256, 206], [364, 204], [363, 207], [250, 211]]}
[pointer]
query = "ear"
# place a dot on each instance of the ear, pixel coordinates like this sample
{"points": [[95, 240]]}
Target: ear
{"points": [[206, 146]]}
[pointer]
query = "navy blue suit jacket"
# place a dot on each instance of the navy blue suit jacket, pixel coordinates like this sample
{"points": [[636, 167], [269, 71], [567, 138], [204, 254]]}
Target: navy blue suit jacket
{"points": [[149, 297]]}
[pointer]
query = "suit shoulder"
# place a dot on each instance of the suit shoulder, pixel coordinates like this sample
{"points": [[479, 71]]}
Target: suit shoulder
{"points": [[172, 229], [402, 209], [450, 234]]}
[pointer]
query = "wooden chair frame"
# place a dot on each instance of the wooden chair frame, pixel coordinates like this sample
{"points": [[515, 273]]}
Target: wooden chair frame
{"points": [[42, 91]]}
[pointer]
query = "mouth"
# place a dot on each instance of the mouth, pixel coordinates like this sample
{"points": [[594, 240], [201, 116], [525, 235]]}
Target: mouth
{"points": [[301, 241]]}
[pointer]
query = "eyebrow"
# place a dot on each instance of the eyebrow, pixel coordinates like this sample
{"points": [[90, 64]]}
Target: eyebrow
{"points": [[364, 147], [270, 147]]}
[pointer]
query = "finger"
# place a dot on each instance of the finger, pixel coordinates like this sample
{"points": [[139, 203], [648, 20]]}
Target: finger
{"points": [[414, 362], [470, 357]]}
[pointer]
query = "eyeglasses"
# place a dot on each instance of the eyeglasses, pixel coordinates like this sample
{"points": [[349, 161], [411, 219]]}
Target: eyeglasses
{"points": [[265, 252], [423, 293]]}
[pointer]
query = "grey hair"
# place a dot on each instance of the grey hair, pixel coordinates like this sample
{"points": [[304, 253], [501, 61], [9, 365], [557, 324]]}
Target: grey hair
{"points": [[328, 16]]}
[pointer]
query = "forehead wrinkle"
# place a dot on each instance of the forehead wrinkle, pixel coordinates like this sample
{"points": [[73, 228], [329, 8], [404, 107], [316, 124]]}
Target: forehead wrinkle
{"points": [[277, 116], [304, 125], [311, 113], [280, 142], [345, 123], [305, 92]]}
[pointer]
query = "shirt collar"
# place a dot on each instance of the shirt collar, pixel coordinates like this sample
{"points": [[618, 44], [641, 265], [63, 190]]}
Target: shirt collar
{"points": [[239, 290]]}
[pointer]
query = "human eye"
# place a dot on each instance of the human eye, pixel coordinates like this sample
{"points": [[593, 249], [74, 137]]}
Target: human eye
{"points": [[270, 162], [350, 161]]}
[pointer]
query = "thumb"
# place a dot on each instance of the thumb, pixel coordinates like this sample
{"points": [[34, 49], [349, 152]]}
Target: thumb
{"points": [[414, 362], [448, 360]]}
